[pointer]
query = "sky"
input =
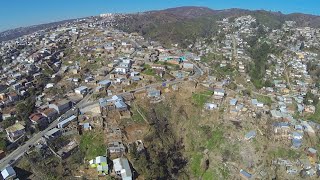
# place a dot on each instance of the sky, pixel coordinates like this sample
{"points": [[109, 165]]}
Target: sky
{"points": [[19, 13]]}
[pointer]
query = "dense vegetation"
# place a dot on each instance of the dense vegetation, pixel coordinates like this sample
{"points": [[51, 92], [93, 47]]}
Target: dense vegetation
{"points": [[171, 31], [314, 69], [259, 52]]}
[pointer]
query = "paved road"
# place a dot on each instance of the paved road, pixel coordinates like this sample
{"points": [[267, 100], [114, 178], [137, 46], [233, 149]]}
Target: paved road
{"points": [[16, 154]]}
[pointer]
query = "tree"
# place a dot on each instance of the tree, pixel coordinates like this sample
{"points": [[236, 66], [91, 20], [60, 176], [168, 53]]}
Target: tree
{"points": [[259, 54], [3, 144], [133, 151], [309, 96], [8, 122], [25, 108], [260, 31], [268, 83]]}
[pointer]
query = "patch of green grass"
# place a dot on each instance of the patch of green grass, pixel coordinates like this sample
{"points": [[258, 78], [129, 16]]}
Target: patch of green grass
{"points": [[196, 164], [207, 93], [136, 116], [265, 100], [209, 175], [92, 144], [201, 98], [149, 72], [216, 139], [98, 59], [284, 153], [166, 63]]}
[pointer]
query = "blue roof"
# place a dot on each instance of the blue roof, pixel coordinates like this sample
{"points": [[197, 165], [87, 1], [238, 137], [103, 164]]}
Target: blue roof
{"points": [[254, 101], [251, 134], [239, 107], [283, 109], [297, 134], [86, 125], [296, 143], [101, 159], [120, 105], [66, 121], [104, 82], [7, 172], [115, 98], [300, 107], [103, 102], [122, 164], [233, 102], [135, 78], [245, 173], [219, 90], [179, 75], [154, 93], [281, 124], [81, 88]]}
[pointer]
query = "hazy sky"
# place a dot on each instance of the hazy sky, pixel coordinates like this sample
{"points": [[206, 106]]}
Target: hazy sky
{"points": [[17, 13]]}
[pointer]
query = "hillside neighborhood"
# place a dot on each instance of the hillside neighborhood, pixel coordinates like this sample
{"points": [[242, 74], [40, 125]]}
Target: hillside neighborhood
{"points": [[87, 100]]}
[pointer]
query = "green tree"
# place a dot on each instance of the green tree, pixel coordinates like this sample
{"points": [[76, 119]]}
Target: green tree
{"points": [[268, 83], [309, 96], [25, 108], [257, 70], [3, 144], [133, 151], [8, 122]]}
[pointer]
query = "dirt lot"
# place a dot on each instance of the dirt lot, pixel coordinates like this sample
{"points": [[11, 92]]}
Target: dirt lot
{"points": [[135, 132]]}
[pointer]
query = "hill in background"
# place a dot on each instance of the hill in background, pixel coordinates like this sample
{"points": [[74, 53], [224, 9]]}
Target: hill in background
{"points": [[184, 24], [18, 32]]}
